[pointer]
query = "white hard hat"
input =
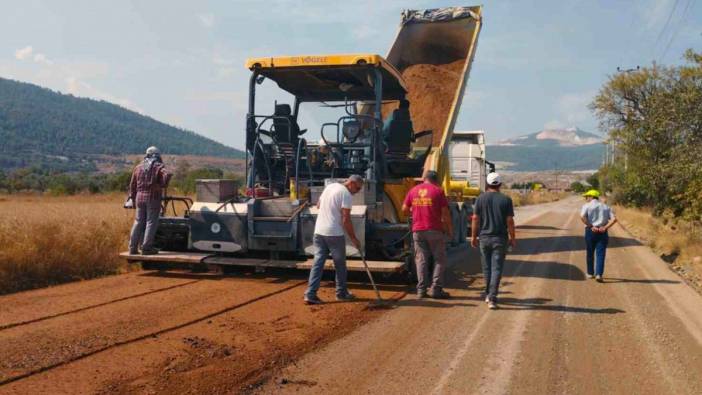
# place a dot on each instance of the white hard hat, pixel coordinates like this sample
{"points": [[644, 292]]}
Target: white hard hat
{"points": [[494, 179], [153, 151]]}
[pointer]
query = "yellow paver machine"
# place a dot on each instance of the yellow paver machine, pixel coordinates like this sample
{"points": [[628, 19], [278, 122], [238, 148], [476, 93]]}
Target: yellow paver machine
{"points": [[384, 130]]}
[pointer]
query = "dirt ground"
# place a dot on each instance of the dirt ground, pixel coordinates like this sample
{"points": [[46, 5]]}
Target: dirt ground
{"points": [[555, 332], [167, 333]]}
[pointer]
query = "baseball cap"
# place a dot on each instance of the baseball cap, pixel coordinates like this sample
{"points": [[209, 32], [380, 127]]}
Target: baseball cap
{"points": [[494, 179]]}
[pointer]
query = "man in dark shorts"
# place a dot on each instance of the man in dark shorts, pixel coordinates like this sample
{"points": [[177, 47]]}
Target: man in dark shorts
{"points": [[493, 221], [431, 222]]}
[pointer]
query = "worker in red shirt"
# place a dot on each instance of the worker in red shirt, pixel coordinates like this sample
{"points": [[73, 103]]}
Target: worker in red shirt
{"points": [[431, 222]]}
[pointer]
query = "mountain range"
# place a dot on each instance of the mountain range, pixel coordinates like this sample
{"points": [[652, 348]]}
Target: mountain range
{"points": [[40, 127], [549, 149]]}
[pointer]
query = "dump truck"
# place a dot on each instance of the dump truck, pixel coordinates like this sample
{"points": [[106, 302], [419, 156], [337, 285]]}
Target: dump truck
{"points": [[395, 119]]}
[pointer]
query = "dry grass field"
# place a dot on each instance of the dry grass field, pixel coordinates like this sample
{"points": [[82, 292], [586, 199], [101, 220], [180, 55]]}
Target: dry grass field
{"points": [[534, 197], [677, 242], [50, 240]]}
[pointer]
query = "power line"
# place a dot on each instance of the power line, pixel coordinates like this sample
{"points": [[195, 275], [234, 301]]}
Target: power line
{"points": [[667, 22], [681, 23]]}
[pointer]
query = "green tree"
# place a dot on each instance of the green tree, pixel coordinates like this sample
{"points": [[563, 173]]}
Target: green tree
{"points": [[653, 117], [577, 187]]}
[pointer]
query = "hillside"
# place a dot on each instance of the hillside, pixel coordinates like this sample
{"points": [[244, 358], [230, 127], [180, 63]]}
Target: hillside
{"points": [[555, 149], [569, 137], [40, 127]]}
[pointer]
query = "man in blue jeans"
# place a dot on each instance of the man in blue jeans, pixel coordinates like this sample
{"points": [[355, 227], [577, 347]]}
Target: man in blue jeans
{"points": [[333, 219], [493, 221], [598, 218]]}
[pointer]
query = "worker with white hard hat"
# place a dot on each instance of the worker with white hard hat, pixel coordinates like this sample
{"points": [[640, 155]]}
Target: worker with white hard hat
{"points": [[598, 218], [493, 223]]}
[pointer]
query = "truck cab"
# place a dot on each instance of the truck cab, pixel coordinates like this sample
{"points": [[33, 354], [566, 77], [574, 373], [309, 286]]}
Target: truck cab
{"points": [[467, 158]]}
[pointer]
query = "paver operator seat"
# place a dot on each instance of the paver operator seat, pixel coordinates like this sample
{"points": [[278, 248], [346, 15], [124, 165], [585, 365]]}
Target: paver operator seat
{"points": [[398, 132], [285, 127]]}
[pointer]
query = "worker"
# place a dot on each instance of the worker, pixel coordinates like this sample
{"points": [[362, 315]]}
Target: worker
{"points": [[149, 179], [493, 224], [598, 218], [333, 219], [431, 223]]}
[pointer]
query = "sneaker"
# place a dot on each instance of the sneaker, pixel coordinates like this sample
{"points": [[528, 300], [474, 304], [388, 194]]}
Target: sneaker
{"points": [[492, 305], [439, 294], [591, 276], [598, 278], [348, 296], [487, 299], [149, 251], [421, 294], [313, 299]]}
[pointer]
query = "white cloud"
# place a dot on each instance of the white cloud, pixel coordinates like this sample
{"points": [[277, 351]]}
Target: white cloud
{"points": [[41, 58], [207, 20], [571, 110], [27, 53], [24, 53]]}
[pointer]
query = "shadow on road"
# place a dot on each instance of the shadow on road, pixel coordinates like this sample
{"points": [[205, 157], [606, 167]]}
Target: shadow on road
{"points": [[538, 227], [639, 280], [412, 301], [541, 245], [540, 304], [550, 270]]}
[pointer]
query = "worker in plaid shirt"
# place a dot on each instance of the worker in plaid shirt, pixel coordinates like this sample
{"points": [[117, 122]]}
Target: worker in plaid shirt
{"points": [[148, 181]]}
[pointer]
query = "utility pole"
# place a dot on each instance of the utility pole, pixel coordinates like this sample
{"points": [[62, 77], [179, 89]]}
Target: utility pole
{"points": [[629, 70]]}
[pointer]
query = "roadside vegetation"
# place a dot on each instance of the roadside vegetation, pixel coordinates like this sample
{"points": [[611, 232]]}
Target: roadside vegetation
{"points": [[677, 241], [525, 198], [58, 183], [653, 120], [61, 227], [47, 240]]}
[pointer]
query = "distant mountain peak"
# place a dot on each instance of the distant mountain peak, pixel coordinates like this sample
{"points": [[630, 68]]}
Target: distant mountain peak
{"points": [[566, 137]]}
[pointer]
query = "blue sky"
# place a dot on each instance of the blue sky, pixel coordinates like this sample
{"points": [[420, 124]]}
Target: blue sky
{"points": [[538, 63]]}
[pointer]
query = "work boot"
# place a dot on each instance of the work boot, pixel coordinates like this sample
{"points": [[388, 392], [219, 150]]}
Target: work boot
{"points": [[439, 294], [485, 296], [312, 299], [345, 297], [149, 251], [133, 252]]}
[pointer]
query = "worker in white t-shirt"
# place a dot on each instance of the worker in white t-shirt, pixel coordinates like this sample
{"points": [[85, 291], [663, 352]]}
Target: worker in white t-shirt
{"points": [[333, 219]]}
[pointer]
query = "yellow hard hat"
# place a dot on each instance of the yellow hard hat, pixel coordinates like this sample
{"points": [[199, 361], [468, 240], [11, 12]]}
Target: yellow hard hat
{"points": [[592, 193]]}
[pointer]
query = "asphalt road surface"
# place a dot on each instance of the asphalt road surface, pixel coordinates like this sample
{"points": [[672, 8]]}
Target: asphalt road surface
{"points": [[555, 331]]}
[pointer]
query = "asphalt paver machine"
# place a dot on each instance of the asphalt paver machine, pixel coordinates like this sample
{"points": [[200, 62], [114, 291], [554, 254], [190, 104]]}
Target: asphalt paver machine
{"points": [[269, 221]]}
